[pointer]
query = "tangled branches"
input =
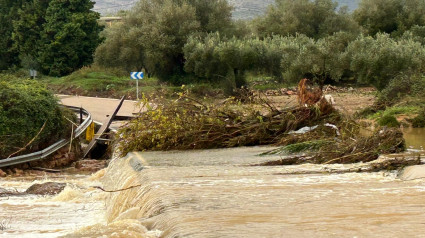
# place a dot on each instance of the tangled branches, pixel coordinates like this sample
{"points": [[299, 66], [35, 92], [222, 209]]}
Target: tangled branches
{"points": [[326, 150], [187, 123]]}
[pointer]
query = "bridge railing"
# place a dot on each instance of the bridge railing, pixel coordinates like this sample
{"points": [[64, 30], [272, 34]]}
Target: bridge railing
{"points": [[53, 148]]}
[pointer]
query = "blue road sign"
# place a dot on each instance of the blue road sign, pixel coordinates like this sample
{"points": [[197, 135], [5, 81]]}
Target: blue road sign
{"points": [[137, 75]]}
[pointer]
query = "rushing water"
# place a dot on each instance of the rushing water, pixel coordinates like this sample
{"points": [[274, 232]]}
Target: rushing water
{"points": [[219, 193], [38, 216]]}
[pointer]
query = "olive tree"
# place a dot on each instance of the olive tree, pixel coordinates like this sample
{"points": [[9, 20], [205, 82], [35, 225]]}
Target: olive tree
{"points": [[317, 18], [390, 16], [377, 60]]}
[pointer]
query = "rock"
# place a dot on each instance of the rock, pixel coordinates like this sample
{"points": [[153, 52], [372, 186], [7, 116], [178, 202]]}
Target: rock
{"points": [[91, 165], [2, 173], [49, 188], [18, 171], [7, 193]]}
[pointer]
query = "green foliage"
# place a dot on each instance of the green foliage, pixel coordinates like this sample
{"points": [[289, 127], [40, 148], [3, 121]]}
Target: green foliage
{"points": [[393, 111], [316, 19], [9, 12], [419, 120], [187, 123], [114, 83], [54, 36], [21, 120], [400, 87], [416, 33], [305, 146], [390, 16], [70, 36], [388, 120], [154, 33], [213, 15], [285, 58], [319, 60], [27, 32], [377, 61]]}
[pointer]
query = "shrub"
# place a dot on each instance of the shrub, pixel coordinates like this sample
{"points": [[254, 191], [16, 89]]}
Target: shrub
{"points": [[25, 108], [388, 120], [419, 120], [377, 60], [400, 87]]}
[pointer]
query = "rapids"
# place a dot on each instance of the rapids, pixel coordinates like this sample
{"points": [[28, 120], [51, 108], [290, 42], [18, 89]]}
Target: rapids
{"points": [[217, 193]]}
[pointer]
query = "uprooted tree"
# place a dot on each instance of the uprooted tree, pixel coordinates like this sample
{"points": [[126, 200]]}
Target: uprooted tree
{"points": [[318, 129]]}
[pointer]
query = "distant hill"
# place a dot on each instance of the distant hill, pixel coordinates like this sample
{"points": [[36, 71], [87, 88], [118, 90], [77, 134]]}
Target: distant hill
{"points": [[244, 9]]}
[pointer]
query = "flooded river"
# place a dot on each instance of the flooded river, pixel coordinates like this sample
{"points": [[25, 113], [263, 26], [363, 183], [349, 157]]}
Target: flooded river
{"points": [[37, 216], [219, 193]]}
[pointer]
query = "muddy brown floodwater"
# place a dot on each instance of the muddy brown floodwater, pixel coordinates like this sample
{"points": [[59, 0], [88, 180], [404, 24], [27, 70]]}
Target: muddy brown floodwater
{"points": [[218, 193], [415, 138]]}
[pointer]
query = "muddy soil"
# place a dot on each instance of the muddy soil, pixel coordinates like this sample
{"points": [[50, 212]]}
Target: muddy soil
{"points": [[347, 102]]}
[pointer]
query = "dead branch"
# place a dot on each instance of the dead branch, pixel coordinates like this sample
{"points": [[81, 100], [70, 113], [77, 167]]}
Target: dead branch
{"points": [[115, 191], [30, 142]]}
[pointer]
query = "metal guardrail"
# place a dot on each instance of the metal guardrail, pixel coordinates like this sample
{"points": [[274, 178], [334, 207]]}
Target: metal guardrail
{"points": [[53, 148]]}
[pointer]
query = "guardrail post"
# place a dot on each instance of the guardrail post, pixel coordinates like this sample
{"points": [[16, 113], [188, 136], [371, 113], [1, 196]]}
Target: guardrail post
{"points": [[81, 115]]}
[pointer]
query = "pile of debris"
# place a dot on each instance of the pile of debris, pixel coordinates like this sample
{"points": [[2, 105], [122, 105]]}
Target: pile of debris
{"points": [[323, 148], [313, 128], [188, 123]]}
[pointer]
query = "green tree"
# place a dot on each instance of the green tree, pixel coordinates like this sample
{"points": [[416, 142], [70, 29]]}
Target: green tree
{"points": [[317, 18], [27, 32], [201, 57], [416, 33], [215, 57], [8, 13], [390, 16], [213, 15], [70, 36], [377, 60], [153, 34], [320, 60]]}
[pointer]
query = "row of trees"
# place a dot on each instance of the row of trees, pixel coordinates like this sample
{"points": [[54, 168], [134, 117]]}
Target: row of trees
{"points": [[319, 18], [155, 31], [370, 60], [173, 38], [294, 39], [54, 36]]}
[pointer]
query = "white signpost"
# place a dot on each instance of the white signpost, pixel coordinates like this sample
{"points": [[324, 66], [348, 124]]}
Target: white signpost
{"points": [[137, 76], [33, 73]]}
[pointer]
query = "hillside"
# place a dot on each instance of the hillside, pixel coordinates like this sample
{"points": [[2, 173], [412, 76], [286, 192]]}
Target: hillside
{"points": [[244, 9]]}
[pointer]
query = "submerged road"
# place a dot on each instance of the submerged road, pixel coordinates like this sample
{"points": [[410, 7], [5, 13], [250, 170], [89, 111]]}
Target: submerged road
{"points": [[219, 193], [101, 107]]}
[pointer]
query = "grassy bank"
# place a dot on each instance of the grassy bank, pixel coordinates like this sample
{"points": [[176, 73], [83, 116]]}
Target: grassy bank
{"points": [[96, 82], [99, 82]]}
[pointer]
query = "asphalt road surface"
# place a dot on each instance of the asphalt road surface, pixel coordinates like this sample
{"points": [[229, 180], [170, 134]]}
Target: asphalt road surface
{"points": [[101, 107]]}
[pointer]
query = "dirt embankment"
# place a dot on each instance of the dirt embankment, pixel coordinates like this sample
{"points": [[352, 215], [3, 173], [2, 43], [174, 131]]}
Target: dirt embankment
{"points": [[347, 100]]}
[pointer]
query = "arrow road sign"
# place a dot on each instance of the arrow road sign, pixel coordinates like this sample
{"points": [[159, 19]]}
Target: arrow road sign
{"points": [[137, 75]]}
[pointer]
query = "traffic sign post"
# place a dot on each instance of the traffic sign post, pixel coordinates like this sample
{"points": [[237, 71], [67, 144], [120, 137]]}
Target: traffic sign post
{"points": [[33, 73], [137, 76]]}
